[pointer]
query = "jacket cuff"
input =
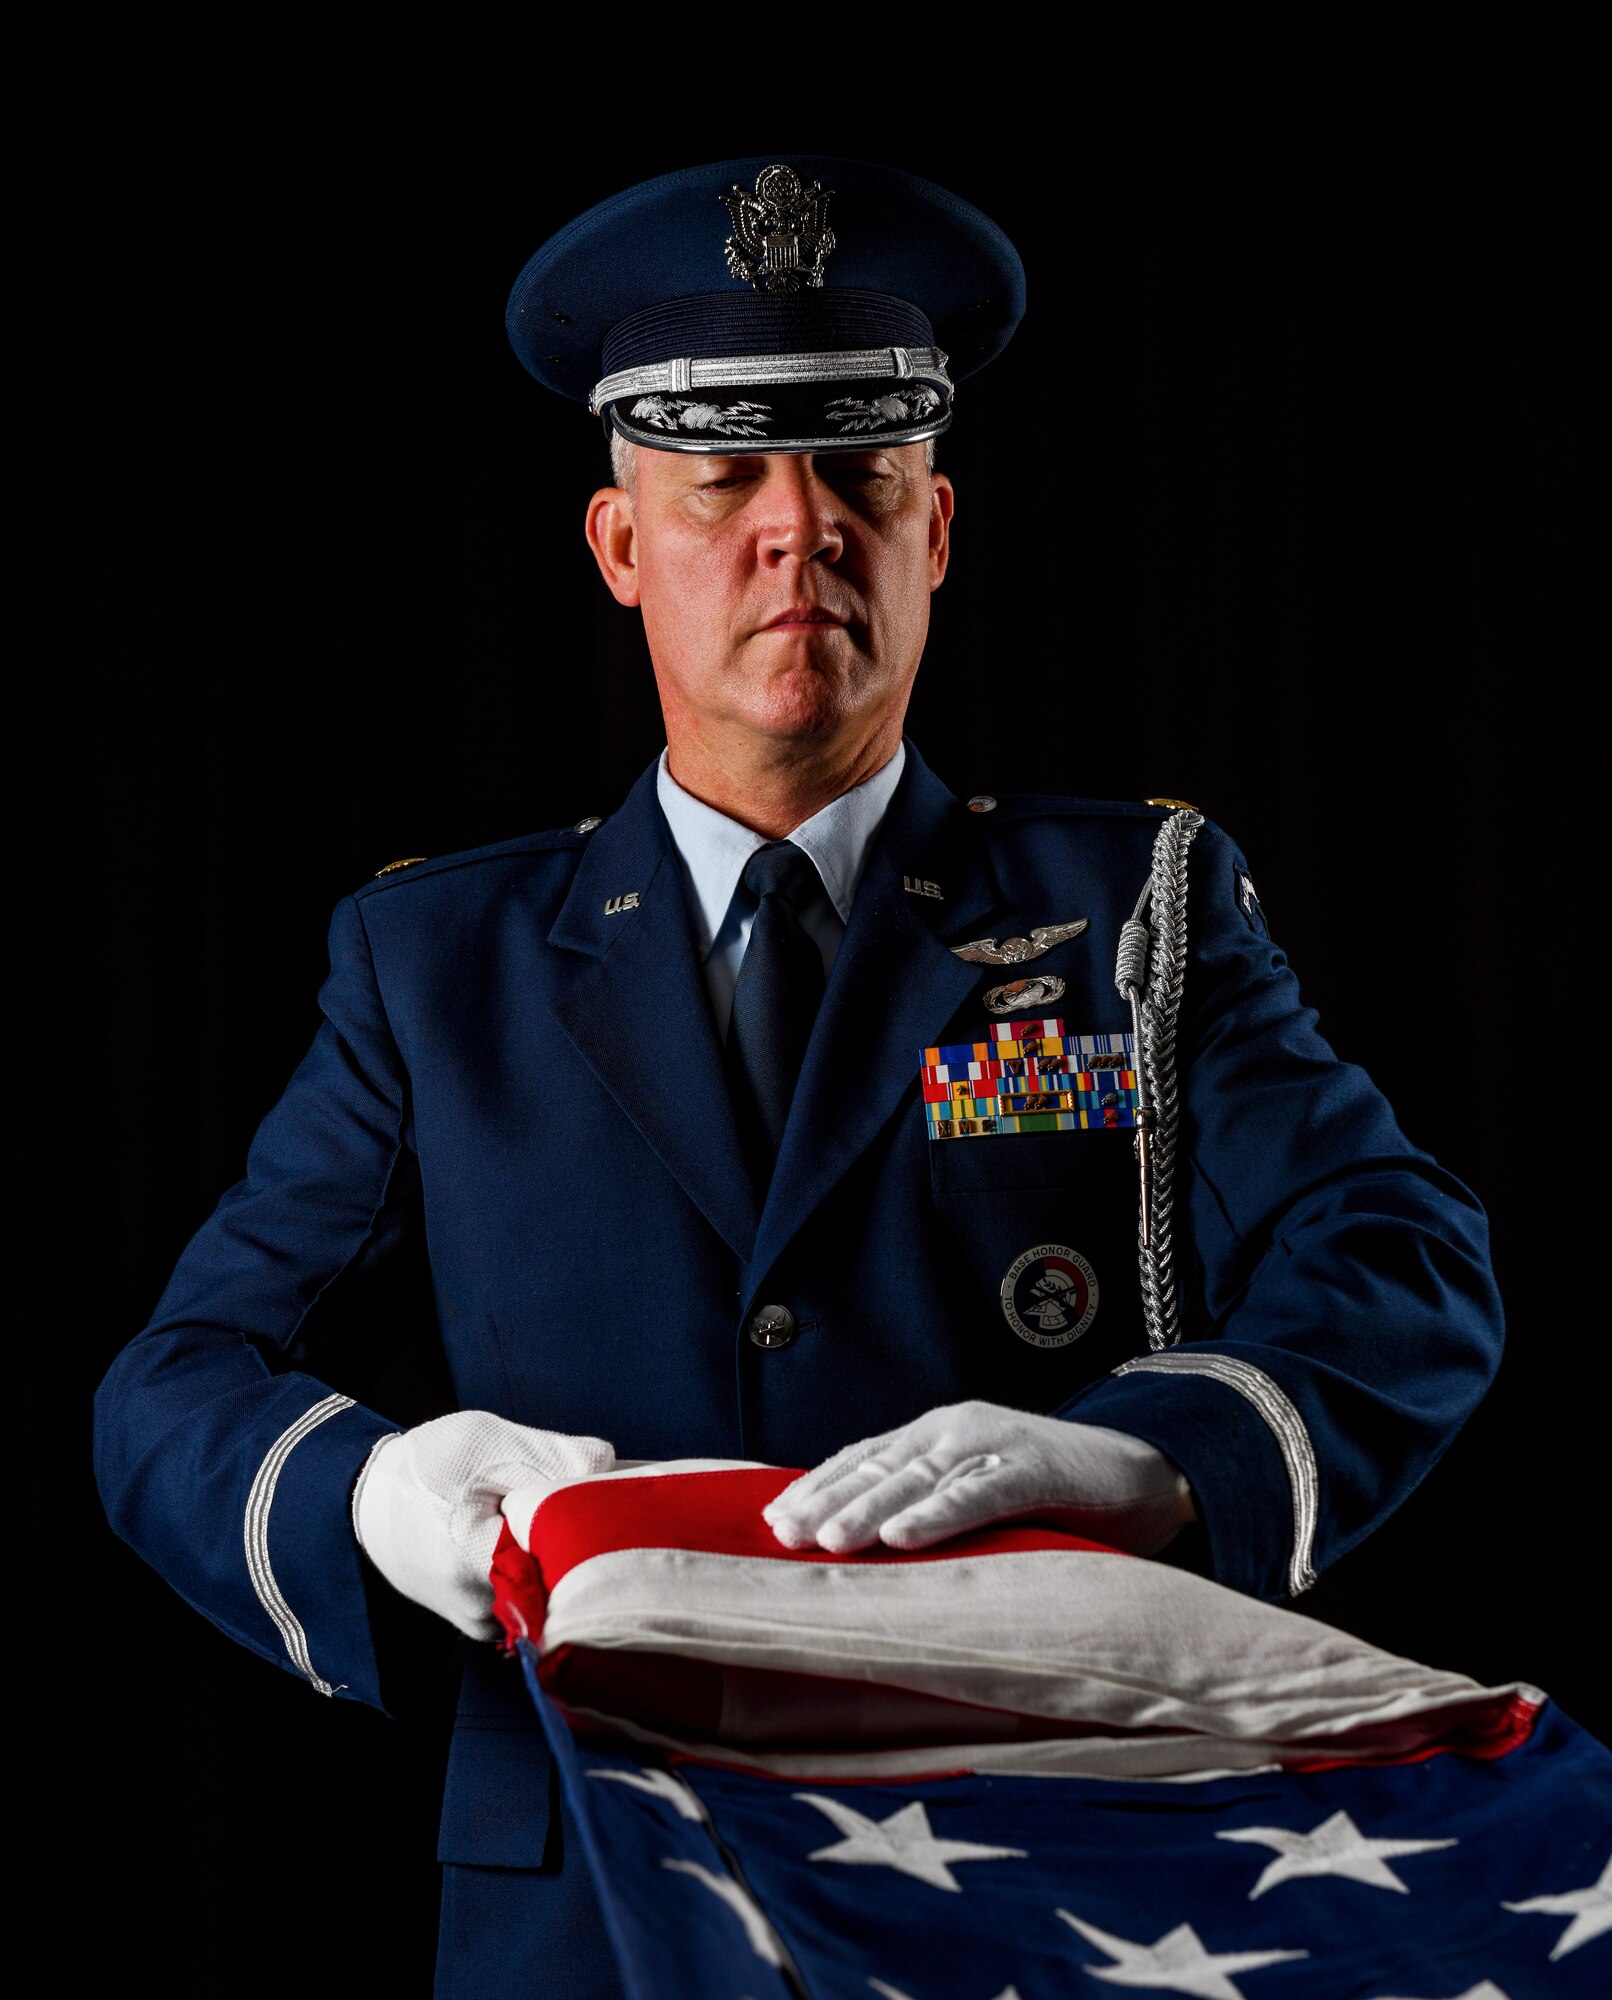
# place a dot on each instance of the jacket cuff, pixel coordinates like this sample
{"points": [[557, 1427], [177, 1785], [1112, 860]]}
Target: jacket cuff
{"points": [[301, 1554], [1243, 1447]]}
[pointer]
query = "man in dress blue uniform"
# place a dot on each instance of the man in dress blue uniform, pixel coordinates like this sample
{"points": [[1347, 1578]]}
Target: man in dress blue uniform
{"points": [[799, 1111]]}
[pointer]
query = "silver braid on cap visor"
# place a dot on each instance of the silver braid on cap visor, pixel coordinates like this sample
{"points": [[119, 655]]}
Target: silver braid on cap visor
{"points": [[743, 371]]}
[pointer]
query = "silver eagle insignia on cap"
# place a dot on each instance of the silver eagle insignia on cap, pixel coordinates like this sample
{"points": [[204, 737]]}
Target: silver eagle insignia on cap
{"points": [[1018, 950], [781, 238]]}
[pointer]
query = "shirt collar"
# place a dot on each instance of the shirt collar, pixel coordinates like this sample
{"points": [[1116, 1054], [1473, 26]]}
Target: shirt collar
{"points": [[714, 848]]}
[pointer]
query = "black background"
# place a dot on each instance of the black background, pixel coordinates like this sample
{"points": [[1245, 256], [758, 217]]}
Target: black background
{"points": [[1287, 466]]}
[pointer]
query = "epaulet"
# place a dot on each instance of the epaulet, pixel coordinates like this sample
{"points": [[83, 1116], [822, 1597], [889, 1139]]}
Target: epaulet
{"points": [[1175, 805], [1058, 805], [414, 867]]}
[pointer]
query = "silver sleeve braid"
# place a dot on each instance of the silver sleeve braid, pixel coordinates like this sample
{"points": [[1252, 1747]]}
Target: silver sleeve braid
{"points": [[1159, 945]]}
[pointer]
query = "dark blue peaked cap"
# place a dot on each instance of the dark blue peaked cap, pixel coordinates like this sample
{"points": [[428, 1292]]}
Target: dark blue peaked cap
{"points": [[778, 303]]}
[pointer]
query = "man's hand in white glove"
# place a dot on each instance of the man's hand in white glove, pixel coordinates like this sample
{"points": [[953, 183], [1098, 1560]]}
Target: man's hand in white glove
{"points": [[426, 1506], [971, 1463]]}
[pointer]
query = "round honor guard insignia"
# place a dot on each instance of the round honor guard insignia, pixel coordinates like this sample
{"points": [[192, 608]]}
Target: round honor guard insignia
{"points": [[1050, 1295], [982, 802], [587, 825], [1021, 996]]}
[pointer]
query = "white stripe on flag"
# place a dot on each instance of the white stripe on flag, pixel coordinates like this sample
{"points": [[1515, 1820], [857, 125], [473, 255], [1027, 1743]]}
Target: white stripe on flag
{"points": [[1073, 1636]]}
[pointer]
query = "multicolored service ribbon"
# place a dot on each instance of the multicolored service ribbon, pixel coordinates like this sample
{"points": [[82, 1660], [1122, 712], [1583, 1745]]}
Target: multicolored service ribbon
{"points": [[1028, 1076]]}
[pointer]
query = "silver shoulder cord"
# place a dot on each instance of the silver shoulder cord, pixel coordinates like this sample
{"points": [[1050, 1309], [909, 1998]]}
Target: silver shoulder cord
{"points": [[1150, 972]]}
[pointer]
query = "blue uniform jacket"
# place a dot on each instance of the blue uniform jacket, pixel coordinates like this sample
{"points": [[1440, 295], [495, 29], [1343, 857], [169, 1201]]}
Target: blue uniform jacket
{"points": [[517, 1069]]}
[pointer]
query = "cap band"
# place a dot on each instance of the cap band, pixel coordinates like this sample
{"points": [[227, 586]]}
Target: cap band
{"points": [[748, 370], [710, 325]]}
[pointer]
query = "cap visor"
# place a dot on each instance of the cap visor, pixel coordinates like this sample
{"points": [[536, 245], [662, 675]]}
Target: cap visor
{"points": [[857, 415]]}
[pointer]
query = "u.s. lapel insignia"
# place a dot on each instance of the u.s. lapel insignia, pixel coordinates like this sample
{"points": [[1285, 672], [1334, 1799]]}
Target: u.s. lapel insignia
{"points": [[1020, 994], [1049, 1295], [1029, 1076], [1018, 950]]}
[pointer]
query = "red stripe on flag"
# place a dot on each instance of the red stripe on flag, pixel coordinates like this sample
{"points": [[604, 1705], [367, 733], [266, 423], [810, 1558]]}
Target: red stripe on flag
{"points": [[1481, 1733], [520, 1602], [720, 1514]]}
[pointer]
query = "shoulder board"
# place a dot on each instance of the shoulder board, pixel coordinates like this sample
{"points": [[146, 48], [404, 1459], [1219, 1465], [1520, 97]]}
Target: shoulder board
{"points": [[420, 867], [1016, 806]]}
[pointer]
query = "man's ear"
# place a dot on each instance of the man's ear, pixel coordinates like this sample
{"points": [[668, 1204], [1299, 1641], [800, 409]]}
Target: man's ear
{"points": [[612, 532], [942, 500]]}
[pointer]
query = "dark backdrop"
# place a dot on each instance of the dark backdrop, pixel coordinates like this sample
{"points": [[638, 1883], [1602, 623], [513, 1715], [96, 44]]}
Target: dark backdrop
{"points": [[1286, 462]]}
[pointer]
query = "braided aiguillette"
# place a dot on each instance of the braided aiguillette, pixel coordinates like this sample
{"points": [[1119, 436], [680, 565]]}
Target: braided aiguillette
{"points": [[1150, 973]]}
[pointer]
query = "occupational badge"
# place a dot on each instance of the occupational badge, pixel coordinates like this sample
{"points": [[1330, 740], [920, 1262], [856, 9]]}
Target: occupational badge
{"points": [[1019, 994], [1018, 950], [1049, 1295], [781, 238], [1028, 1076]]}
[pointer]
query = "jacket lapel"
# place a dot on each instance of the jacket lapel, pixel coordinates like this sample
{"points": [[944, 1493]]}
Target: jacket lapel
{"points": [[636, 1008], [894, 987]]}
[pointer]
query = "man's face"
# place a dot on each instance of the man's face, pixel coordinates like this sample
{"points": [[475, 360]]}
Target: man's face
{"points": [[784, 594]]}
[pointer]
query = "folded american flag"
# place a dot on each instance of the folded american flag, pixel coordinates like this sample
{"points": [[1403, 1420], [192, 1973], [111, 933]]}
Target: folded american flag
{"points": [[1020, 1765]]}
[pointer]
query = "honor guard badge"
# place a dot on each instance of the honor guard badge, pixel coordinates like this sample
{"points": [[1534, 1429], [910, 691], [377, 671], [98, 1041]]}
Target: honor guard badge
{"points": [[1049, 1295], [1028, 1076]]}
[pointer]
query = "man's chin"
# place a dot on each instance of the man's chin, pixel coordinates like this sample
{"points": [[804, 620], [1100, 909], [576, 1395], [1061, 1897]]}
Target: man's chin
{"points": [[803, 707]]}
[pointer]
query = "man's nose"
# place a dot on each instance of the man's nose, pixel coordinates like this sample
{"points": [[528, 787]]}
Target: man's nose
{"points": [[799, 513]]}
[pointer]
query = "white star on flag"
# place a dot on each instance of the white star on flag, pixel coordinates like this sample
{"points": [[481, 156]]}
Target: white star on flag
{"points": [[659, 1785], [1335, 1847], [903, 1841], [1590, 1909], [1484, 1990], [764, 1940], [1175, 1963]]}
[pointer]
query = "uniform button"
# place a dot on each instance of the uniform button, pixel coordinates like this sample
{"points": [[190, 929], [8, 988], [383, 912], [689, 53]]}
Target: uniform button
{"points": [[587, 825], [982, 802], [773, 1326]]}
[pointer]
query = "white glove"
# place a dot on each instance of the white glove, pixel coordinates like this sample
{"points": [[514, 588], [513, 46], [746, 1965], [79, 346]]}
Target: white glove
{"points": [[426, 1506], [970, 1463]]}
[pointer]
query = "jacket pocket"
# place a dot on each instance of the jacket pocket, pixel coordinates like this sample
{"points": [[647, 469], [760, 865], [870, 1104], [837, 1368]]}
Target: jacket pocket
{"points": [[1085, 1160], [498, 1803]]}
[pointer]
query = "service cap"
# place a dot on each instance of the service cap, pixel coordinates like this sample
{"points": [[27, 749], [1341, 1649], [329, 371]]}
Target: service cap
{"points": [[770, 304]]}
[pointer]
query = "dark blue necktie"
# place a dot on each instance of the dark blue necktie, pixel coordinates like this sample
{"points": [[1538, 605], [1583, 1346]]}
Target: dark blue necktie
{"points": [[775, 1001]]}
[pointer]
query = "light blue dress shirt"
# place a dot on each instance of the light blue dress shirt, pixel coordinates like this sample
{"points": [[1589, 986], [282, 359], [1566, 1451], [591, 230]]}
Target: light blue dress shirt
{"points": [[714, 849]]}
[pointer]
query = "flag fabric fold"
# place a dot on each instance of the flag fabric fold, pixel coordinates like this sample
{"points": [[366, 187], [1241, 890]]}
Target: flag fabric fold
{"points": [[1020, 1764]]}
